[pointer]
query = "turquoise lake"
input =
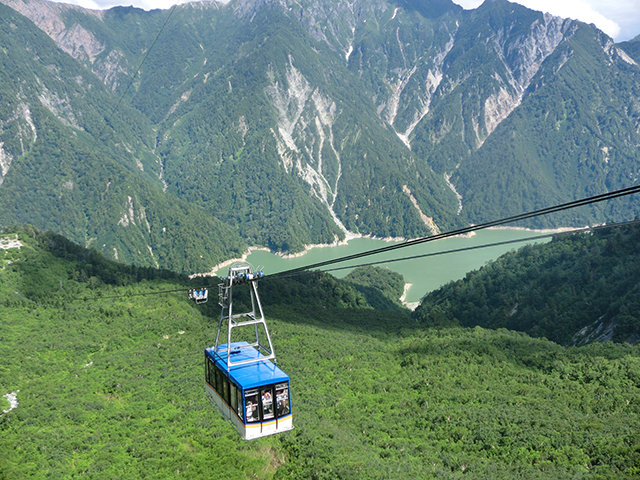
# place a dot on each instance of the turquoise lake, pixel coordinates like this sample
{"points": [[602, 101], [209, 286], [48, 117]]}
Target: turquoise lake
{"points": [[425, 274]]}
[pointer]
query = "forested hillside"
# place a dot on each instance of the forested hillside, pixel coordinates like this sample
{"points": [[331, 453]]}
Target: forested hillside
{"points": [[288, 123], [578, 288], [109, 383], [573, 135], [70, 165]]}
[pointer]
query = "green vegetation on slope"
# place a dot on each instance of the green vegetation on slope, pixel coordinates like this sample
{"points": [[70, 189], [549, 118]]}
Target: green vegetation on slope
{"points": [[550, 290], [573, 136], [105, 192], [112, 387], [456, 402], [382, 287], [269, 117]]}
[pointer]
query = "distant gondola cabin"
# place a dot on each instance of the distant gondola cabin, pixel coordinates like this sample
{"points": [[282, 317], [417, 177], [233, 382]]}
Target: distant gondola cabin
{"points": [[253, 396]]}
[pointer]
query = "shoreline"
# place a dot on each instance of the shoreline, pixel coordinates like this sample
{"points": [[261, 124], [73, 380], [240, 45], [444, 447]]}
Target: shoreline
{"points": [[352, 236], [337, 243], [226, 263], [285, 255], [410, 305]]}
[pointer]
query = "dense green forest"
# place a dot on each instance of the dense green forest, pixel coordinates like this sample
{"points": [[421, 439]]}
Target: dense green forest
{"points": [[581, 281], [109, 383], [557, 143], [70, 165], [175, 138]]}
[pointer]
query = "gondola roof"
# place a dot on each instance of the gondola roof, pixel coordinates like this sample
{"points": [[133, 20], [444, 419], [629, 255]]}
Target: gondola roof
{"points": [[249, 375]]}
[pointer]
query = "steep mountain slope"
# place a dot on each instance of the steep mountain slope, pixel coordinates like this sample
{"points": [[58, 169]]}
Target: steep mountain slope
{"points": [[302, 122], [110, 43], [576, 289], [574, 134], [293, 113], [69, 165], [287, 162], [473, 93]]}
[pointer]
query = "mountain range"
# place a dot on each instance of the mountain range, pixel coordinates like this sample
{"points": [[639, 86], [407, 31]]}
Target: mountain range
{"points": [[175, 138]]}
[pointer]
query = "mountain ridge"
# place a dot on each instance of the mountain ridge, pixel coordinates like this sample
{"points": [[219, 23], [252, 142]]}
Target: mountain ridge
{"points": [[303, 123]]}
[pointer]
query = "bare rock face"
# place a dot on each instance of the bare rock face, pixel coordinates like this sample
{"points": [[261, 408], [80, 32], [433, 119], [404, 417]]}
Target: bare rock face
{"points": [[48, 16], [306, 117], [44, 14], [74, 39], [22, 123], [110, 69], [522, 58], [79, 43]]}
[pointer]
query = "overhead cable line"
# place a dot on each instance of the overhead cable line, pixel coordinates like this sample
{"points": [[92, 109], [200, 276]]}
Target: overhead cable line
{"points": [[378, 262], [105, 297], [488, 245], [523, 216], [455, 250], [304, 270], [445, 252], [142, 294]]}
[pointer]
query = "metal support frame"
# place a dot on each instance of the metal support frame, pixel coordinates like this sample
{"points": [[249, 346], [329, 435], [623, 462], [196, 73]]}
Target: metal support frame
{"points": [[239, 275]]}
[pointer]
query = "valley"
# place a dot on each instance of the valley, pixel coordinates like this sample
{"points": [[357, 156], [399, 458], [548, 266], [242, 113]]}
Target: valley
{"points": [[138, 148], [285, 124]]}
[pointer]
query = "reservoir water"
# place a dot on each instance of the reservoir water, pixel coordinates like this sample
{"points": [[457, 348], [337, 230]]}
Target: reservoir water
{"points": [[424, 274]]}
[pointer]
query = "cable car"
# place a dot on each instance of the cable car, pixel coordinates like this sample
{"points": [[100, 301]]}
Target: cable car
{"points": [[241, 377], [199, 295]]}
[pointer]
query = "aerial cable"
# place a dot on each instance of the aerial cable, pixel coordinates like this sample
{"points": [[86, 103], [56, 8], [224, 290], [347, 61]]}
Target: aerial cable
{"points": [[488, 245], [125, 295], [105, 297], [379, 262], [303, 270], [455, 250], [33, 303], [435, 254], [278, 276], [473, 228], [423, 255]]}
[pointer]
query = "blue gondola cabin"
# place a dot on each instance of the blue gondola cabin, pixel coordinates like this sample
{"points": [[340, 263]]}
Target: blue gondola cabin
{"points": [[253, 396]]}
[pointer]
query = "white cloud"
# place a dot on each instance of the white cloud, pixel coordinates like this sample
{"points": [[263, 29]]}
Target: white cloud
{"points": [[91, 5], [620, 19], [144, 4], [582, 10]]}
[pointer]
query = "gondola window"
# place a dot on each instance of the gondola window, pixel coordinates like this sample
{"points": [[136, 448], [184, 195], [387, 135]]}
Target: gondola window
{"points": [[225, 394], [282, 399], [252, 405], [234, 397], [239, 404], [267, 403]]}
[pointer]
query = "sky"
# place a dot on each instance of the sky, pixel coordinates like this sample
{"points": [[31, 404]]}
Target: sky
{"points": [[620, 19]]}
